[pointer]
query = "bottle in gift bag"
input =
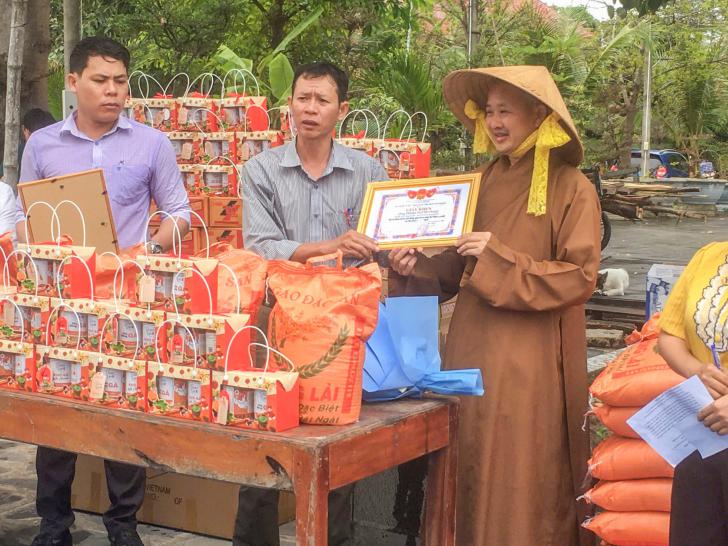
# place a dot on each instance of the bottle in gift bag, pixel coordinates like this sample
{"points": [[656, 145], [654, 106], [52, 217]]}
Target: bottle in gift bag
{"points": [[180, 393], [76, 327]]}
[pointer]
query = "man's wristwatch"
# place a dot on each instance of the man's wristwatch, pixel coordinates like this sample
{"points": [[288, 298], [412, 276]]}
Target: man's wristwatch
{"points": [[153, 247]]}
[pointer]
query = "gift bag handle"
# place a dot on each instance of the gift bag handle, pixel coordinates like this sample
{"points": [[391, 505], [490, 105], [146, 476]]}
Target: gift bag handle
{"points": [[189, 333], [209, 112], [142, 75], [6, 270], [274, 108], [106, 324], [54, 218], [58, 219], [242, 72], [5, 300], [235, 282], [238, 172], [176, 232], [55, 310], [204, 281], [60, 268], [177, 75], [119, 268], [119, 264], [367, 112], [245, 118], [389, 119], [424, 130], [202, 77]]}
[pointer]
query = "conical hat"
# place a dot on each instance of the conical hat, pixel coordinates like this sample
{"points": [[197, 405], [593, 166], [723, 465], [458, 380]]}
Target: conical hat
{"points": [[462, 85]]}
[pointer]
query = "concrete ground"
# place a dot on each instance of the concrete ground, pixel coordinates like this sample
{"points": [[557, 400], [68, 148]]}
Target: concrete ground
{"points": [[634, 246]]}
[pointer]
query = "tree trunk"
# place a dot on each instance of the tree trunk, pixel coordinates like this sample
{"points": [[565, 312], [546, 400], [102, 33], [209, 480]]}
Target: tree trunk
{"points": [[625, 143], [12, 96], [35, 58], [34, 90], [71, 29]]}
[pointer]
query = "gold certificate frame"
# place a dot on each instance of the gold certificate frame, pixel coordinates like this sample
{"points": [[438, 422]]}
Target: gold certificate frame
{"points": [[421, 212]]}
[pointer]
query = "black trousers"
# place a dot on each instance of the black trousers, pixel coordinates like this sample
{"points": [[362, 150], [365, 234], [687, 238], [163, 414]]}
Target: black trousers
{"points": [[56, 470], [699, 515], [257, 521]]}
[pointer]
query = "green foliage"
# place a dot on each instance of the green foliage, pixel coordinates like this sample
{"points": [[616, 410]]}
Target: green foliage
{"points": [[598, 65], [280, 75]]}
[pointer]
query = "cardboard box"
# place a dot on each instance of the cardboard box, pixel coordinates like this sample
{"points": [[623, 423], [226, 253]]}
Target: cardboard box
{"points": [[182, 502], [229, 235], [660, 280], [226, 212], [198, 204]]}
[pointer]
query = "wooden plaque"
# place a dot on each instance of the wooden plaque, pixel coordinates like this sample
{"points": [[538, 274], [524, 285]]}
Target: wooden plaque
{"points": [[86, 189]]}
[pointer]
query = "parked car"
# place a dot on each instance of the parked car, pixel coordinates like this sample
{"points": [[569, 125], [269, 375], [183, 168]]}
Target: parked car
{"points": [[663, 163]]}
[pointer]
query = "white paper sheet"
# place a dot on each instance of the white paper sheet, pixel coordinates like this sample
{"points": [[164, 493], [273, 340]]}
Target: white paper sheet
{"points": [[670, 425]]}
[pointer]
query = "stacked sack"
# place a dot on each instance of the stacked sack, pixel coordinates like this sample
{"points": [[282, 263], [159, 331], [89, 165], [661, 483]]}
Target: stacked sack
{"points": [[635, 482]]}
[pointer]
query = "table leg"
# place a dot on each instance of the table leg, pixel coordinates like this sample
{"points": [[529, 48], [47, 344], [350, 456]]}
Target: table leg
{"points": [[438, 528], [311, 486]]}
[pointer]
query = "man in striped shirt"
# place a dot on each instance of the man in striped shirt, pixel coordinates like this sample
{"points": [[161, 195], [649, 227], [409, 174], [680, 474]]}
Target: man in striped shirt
{"points": [[302, 200]]}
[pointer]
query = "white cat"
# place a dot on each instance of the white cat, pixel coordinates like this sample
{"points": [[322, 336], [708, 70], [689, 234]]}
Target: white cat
{"points": [[612, 282]]}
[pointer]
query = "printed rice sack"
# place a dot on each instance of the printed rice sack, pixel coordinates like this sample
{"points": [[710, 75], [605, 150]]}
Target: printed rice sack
{"points": [[321, 320], [635, 377], [649, 494], [615, 419], [631, 528], [250, 271], [627, 459]]}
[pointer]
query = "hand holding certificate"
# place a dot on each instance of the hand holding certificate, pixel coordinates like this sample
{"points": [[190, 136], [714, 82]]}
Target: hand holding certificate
{"points": [[424, 212]]}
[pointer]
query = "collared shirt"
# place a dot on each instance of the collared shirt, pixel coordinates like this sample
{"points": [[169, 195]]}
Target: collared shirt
{"points": [[139, 164], [284, 207]]}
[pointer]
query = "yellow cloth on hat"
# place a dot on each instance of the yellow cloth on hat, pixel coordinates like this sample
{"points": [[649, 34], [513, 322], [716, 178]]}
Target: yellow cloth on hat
{"points": [[549, 135]]}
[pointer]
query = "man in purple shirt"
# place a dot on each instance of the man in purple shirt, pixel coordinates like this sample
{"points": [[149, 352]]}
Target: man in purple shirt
{"points": [[138, 163]]}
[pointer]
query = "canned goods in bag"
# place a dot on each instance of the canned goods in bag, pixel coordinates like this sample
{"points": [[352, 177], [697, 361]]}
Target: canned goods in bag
{"points": [[76, 326], [20, 367], [130, 384], [76, 372], [194, 392], [92, 328], [60, 372], [162, 285], [7, 364], [114, 383], [129, 333], [166, 389], [260, 402], [45, 273]]}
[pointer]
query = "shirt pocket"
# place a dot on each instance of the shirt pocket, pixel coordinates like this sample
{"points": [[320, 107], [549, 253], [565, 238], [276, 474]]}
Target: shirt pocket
{"points": [[129, 183]]}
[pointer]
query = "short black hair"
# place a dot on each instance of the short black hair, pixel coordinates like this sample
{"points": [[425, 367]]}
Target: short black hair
{"points": [[320, 69], [37, 118], [97, 46]]}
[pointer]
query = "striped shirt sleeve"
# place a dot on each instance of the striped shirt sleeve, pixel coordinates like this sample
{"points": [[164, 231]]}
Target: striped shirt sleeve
{"points": [[263, 231]]}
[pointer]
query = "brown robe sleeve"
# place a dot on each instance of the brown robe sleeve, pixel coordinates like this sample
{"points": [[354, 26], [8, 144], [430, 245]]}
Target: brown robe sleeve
{"points": [[436, 276], [514, 280]]}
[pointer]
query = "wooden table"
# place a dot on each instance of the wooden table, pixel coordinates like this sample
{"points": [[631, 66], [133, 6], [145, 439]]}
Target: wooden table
{"points": [[308, 460]]}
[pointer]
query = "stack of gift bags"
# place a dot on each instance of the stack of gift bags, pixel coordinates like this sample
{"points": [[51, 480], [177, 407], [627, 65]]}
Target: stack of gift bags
{"points": [[635, 483]]}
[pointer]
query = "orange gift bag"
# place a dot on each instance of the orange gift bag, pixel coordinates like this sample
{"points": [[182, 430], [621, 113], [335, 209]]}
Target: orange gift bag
{"points": [[322, 317]]}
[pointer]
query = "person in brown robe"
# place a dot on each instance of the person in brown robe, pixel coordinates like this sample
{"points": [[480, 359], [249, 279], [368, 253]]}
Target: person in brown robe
{"points": [[521, 278]]}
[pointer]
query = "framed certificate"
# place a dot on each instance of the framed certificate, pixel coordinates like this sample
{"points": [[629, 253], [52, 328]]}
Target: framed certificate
{"points": [[422, 212]]}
